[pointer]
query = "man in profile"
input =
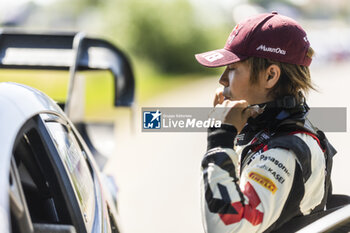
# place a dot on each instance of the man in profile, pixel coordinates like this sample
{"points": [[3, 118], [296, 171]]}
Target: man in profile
{"points": [[266, 164]]}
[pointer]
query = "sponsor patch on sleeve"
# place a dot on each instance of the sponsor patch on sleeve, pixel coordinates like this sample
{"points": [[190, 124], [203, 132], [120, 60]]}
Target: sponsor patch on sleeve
{"points": [[263, 181]]}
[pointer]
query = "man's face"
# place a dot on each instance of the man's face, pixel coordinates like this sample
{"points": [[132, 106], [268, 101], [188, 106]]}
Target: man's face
{"points": [[237, 85]]}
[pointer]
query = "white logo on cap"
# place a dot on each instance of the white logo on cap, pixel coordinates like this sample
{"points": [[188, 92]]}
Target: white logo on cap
{"points": [[213, 56], [271, 50]]}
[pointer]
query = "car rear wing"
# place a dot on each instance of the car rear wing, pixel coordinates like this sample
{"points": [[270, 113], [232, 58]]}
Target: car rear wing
{"points": [[68, 51], [73, 52]]}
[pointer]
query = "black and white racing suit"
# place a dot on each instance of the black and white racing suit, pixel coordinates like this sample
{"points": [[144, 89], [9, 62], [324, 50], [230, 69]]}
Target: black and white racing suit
{"points": [[264, 188]]}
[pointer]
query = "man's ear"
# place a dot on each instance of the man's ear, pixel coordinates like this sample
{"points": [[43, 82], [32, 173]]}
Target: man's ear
{"points": [[272, 75]]}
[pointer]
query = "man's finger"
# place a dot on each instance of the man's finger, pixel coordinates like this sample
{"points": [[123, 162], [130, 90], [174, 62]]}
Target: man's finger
{"points": [[219, 97]]}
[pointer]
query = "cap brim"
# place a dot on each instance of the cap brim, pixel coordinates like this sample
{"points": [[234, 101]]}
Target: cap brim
{"points": [[217, 58]]}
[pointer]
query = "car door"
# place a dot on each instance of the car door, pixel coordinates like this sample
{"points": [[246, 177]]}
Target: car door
{"points": [[53, 185]]}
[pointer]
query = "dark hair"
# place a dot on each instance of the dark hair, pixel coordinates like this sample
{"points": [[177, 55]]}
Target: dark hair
{"points": [[293, 78]]}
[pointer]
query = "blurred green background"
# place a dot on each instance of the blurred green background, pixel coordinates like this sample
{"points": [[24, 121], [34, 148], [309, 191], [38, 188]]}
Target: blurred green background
{"points": [[160, 37]]}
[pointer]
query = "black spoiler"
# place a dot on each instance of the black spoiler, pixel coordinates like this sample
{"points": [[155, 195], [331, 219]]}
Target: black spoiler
{"points": [[68, 51]]}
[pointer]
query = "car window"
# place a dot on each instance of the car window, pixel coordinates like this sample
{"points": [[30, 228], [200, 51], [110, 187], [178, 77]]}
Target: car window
{"points": [[76, 165], [41, 175]]}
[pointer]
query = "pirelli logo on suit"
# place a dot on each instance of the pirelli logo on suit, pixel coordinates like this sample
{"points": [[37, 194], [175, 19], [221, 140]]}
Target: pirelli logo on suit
{"points": [[263, 181]]}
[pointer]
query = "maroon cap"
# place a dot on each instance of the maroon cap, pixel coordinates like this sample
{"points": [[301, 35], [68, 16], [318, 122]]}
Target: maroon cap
{"points": [[271, 36]]}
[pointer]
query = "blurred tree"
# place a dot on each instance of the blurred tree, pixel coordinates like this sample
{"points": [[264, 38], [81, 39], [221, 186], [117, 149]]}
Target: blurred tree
{"points": [[164, 32], [79, 6], [267, 3]]}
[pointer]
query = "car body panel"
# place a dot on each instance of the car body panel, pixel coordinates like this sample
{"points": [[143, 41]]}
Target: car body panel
{"points": [[4, 217], [338, 221], [20, 103], [23, 103]]}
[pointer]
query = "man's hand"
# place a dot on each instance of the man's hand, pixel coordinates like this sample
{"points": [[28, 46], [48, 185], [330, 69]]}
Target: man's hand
{"points": [[232, 112]]}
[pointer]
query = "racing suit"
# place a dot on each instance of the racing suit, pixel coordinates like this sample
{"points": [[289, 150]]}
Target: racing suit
{"points": [[262, 178]]}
